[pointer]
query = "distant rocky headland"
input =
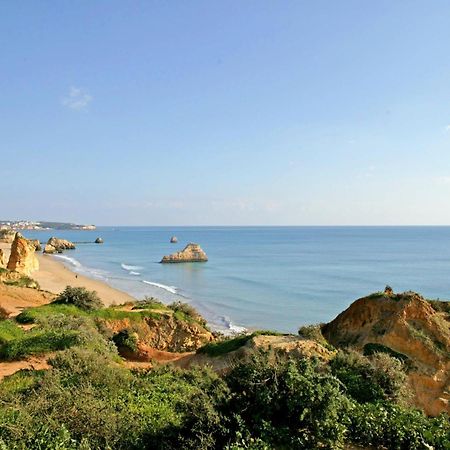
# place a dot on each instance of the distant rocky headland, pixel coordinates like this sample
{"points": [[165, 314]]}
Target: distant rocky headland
{"points": [[42, 225]]}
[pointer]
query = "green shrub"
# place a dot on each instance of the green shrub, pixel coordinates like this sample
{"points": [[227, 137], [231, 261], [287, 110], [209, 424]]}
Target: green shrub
{"points": [[440, 306], [186, 312], [23, 281], [9, 331], [126, 339], [79, 297], [290, 404], [373, 379]]}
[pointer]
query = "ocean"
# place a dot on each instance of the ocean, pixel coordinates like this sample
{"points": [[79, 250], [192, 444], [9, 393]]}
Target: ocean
{"points": [[276, 278]]}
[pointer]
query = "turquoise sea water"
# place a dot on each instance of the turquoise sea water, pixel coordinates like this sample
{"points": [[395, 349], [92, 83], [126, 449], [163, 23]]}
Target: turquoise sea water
{"points": [[266, 277]]}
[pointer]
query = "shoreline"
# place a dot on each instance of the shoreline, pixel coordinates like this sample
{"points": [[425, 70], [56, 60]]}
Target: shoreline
{"points": [[53, 276]]}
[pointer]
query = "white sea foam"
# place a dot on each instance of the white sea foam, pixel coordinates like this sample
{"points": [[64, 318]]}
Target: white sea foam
{"points": [[128, 267], [171, 289], [134, 273], [70, 260], [225, 326], [78, 267]]}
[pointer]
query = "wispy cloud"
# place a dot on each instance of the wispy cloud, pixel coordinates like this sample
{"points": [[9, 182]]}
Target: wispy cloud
{"points": [[443, 180], [77, 99], [447, 129]]}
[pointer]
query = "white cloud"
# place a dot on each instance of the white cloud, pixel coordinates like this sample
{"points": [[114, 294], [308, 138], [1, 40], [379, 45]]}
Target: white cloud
{"points": [[444, 180], [77, 99], [447, 129]]}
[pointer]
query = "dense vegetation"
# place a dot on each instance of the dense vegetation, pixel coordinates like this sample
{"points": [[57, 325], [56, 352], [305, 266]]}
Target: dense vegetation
{"points": [[90, 400]]}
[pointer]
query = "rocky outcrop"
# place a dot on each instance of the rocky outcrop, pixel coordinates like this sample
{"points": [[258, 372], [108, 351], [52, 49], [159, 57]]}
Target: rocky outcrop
{"points": [[7, 235], [191, 253], [3, 261], [37, 244], [99, 240], [49, 249], [59, 245], [23, 258], [173, 240], [165, 332], [409, 327]]}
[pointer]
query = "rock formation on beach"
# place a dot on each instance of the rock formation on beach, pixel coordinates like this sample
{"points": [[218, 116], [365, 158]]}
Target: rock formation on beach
{"points": [[173, 240], [37, 244], [99, 240], [191, 253], [3, 261], [55, 245], [407, 326], [23, 258]]}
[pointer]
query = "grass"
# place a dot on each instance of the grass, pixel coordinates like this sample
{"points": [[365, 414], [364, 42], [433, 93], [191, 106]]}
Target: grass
{"points": [[16, 343], [34, 343], [150, 303], [9, 331], [32, 315], [23, 281], [234, 343]]}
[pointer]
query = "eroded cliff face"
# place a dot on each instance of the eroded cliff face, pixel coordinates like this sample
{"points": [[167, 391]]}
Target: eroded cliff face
{"points": [[191, 253], [23, 258], [409, 325], [165, 332]]}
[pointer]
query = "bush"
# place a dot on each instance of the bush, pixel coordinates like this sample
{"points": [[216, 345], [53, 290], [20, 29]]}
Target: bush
{"points": [[80, 297], [288, 403], [373, 379], [184, 311], [126, 339], [314, 333]]}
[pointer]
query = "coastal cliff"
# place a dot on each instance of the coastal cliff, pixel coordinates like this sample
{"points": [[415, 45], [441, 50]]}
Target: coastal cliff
{"points": [[406, 326]]}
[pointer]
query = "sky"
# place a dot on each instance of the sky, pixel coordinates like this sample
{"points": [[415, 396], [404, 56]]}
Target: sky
{"points": [[225, 112]]}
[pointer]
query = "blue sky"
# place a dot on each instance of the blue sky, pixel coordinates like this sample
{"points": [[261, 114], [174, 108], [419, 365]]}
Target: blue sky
{"points": [[225, 112]]}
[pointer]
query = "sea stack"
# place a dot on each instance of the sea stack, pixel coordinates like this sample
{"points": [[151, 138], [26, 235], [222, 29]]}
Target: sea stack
{"points": [[173, 240], [191, 253], [99, 240], [23, 258]]}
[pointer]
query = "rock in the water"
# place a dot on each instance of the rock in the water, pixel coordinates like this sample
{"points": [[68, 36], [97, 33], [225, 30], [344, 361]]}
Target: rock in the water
{"points": [[7, 235], [173, 240], [191, 253], [23, 258], [3, 261], [60, 244], [99, 240], [49, 249]]}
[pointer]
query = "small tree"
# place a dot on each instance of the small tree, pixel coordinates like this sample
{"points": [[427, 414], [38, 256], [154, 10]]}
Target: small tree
{"points": [[80, 297]]}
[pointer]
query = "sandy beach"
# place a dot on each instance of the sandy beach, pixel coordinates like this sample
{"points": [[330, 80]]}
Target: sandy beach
{"points": [[54, 276]]}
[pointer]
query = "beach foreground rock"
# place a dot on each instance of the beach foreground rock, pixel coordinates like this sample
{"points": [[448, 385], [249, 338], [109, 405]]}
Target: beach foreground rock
{"points": [[407, 326], [58, 245], [191, 253], [23, 258]]}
